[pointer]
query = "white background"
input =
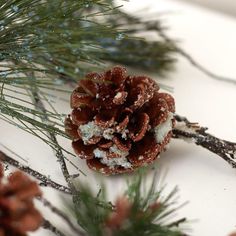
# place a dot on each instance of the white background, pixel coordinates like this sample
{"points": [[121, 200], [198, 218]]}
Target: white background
{"points": [[206, 181], [226, 6]]}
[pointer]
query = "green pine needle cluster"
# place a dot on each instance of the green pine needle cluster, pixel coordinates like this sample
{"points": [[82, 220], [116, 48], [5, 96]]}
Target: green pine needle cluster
{"points": [[44, 44], [131, 51], [149, 214]]}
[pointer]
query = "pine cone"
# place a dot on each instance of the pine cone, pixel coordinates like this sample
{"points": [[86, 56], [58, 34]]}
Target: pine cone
{"points": [[124, 209], [17, 212], [121, 213], [119, 122]]}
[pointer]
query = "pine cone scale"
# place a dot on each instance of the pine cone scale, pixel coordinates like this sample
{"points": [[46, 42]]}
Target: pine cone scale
{"points": [[81, 115], [145, 151], [78, 99], [71, 129], [83, 151], [123, 146], [140, 128]]}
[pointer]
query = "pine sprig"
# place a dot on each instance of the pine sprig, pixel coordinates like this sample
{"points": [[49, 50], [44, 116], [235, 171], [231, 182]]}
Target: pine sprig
{"points": [[43, 50], [157, 55], [78, 36], [136, 212]]}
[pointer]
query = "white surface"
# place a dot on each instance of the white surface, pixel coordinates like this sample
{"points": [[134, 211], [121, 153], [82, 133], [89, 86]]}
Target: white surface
{"points": [[226, 6], [204, 180]]}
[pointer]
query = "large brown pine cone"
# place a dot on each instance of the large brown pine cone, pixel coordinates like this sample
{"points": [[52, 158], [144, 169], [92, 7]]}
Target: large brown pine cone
{"points": [[119, 122], [17, 212]]}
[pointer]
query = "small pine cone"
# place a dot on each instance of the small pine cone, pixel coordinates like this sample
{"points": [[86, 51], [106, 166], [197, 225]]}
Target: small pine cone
{"points": [[124, 209], [17, 212], [119, 122], [120, 215]]}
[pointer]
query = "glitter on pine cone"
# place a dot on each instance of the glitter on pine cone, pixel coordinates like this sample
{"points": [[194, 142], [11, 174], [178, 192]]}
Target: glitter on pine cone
{"points": [[119, 122], [17, 212]]}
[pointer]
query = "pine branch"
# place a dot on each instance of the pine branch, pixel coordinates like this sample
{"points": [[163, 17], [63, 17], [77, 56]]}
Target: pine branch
{"points": [[59, 153], [139, 53], [61, 214], [79, 37], [49, 226], [192, 132], [43, 178], [136, 212], [39, 106]]}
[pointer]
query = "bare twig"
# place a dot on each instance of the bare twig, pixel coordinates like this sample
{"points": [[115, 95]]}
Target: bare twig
{"points": [[192, 132], [43, 178], [49, 226], [62, 215]]}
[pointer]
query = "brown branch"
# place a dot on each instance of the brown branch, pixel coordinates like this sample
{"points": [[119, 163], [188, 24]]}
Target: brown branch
{"points": [[58, 150], [43, 178], [59, 154], [192, 132], [49, 226], [61, 214]]}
